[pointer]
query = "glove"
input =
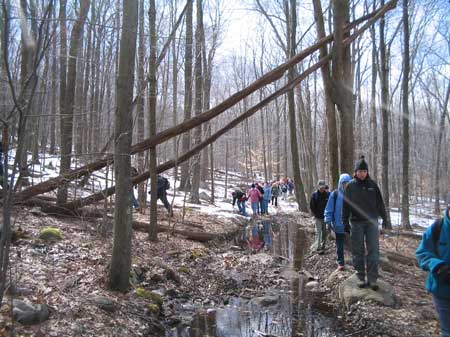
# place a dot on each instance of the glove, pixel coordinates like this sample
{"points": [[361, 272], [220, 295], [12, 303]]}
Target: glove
{"points": [[347, 227], [443, 273]]}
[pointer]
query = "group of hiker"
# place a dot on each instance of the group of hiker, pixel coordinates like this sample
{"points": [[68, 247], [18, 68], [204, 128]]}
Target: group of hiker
{"points": [[354, 209], [261, 195]]}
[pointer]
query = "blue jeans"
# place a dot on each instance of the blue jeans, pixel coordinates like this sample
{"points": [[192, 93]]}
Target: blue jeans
{"points": [[255, 207], [340, 237], [241, 207], [366, 233], [443, 309]]}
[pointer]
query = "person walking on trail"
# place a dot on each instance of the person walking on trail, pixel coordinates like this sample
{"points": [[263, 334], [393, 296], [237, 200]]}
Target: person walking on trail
{"points": [[333, 217], [267, 195], [433, 255], [363, 205], [275, 194], [162, 186], [253, 195], [284, 190], [317, 205], [290, 186]]}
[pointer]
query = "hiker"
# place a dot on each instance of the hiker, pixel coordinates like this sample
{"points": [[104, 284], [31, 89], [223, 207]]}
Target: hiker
{"points": [[433, 255], [275, 194], [162, 186], [333, 217], [267, 195], [317, 205], [134, 173], [284, 190], [290, 186], [363, 205], [239, 198], [253, 195], [261, 198]]}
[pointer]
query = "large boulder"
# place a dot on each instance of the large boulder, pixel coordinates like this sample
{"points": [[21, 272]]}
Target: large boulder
{"points": [[28, 314], [204, 196], [349, 293]]}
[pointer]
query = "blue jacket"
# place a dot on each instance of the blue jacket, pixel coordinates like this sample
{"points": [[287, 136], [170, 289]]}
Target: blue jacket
{"points": [[267, 192], [334, 215], [429, 261]]}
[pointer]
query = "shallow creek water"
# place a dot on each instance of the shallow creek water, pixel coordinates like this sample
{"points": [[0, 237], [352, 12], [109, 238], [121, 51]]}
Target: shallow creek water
{"points": [[281, 312]]}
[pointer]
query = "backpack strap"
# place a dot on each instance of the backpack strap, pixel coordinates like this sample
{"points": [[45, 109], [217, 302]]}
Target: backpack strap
{"points": [[335, 195], [436, 233]]}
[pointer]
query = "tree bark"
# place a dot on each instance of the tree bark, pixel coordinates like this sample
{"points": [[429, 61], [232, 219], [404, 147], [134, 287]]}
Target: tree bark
{"points": [[153, 228], [384, 78], [118, 278], [186, 140], [405, 119], [198, 103], [299, 189], [69, 96], [342, 79], [330, 112]]}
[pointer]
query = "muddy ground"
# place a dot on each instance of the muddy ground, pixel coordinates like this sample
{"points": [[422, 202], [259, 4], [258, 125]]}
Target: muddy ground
{"points": [[175, 278]]}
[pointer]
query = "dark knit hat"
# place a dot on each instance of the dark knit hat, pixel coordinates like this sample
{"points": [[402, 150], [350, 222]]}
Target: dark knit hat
{"points": [[361, 164]]}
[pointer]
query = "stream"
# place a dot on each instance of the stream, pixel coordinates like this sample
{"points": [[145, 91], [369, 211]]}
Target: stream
{"points": [[281, 312]]}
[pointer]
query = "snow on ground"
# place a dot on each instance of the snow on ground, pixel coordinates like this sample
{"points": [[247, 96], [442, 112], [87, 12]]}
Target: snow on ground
{"points": [[421, 213]]}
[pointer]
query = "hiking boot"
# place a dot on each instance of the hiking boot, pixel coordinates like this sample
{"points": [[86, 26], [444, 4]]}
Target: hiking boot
{"points": [[341, 267], [374, 286], [361, 284]]}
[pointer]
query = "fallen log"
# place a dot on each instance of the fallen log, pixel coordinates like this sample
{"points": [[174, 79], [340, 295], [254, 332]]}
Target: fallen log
{"points": [[206, 116], [191, 235]]}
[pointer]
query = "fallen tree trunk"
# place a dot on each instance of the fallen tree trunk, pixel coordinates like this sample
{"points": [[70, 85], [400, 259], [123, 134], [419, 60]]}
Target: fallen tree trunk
{"points": [[191, 235]]}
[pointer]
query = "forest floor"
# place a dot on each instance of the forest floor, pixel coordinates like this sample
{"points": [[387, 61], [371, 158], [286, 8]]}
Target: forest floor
{"points": [[175, 278]]}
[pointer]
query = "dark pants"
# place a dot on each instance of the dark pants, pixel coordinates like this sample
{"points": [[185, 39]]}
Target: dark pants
{"points": [[163, 198], [134, 201], [443, 309], [340, 238], [261, 206], [366, 234], [275, 201]]}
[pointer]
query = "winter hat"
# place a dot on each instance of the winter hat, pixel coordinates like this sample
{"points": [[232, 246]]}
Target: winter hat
{"points": [[361, 164], [321, 184]]}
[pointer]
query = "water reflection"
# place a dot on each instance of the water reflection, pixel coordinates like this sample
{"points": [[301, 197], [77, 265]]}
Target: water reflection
{"points": [[282, 313]]}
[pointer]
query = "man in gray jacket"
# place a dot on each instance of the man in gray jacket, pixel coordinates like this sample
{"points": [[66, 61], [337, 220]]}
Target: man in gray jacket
{"points": [[363, 205]]}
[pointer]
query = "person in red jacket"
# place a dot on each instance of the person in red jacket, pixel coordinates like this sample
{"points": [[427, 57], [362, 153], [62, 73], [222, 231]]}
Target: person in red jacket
{"points": [[254, 195]]}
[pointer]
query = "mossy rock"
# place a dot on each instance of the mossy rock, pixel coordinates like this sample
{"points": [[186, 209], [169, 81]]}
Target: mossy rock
{"points": [[184, 270], [50, 234], [149, 295], [196, 253], [153, 308]]}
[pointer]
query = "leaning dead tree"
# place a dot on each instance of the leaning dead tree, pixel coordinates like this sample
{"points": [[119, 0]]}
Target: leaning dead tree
{"points": [[206, 116]]}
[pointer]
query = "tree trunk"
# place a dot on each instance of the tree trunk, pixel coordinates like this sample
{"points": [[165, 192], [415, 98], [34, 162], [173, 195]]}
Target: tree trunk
{"points": [[186, 140], [343, 84], [373, 109], [142, 195], [197, 103], [330, 112], [405, 119], [384, 78], [299, 189], [153, 229], [69, 97], [118, 278]]}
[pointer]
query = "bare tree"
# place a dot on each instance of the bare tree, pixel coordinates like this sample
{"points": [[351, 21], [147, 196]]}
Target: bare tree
{"points": [[118, 278]]}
